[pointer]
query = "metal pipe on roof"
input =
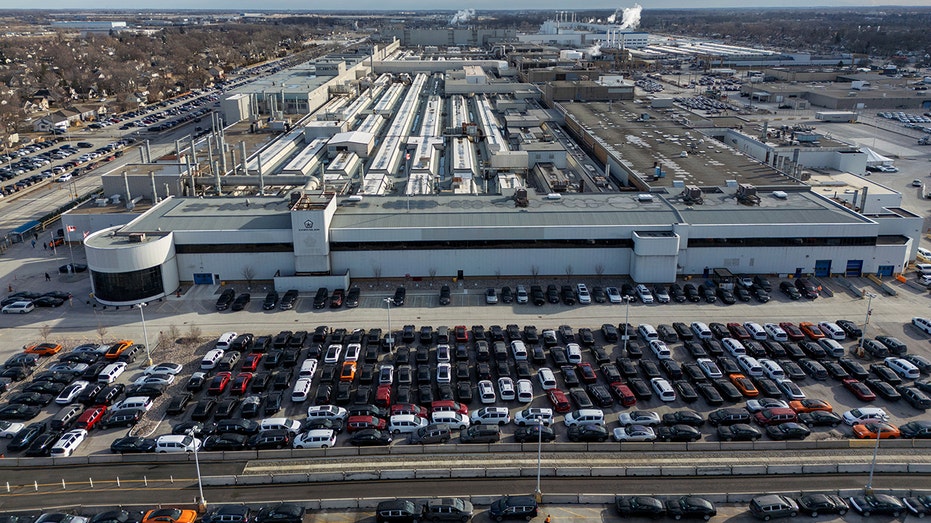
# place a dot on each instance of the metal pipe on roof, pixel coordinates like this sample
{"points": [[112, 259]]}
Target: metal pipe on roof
{"points": [[210, 153], [126, 183], [193, 151], [148, 152], [242, 156], [216, 171], [154, 190]]}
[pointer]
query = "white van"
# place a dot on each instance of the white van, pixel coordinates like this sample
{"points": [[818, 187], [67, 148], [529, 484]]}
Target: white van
{"points": [[750, 365], [776, 332], [756, 331], [331, 412], [301, 390], [308, 368], [832, 330], [490, 416], [519, 350], [644, 294], [176, 443], [486, 392], [134, 402], [832, 347], [733, 346], [546, 378], [224, 341], [524, 391], [315, 439], [290, 425], [454, 420], [584, 417], [111, 372], [923, 324], [701, 330], [660, 349], [903, 368], [647, 332], [211, 359], [405, 423], [772, 369], [68, 443], [663, 389], [574, 353]]}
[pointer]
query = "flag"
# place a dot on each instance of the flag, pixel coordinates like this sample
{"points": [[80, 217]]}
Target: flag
{"points": [[72, 228], [86, 233]]}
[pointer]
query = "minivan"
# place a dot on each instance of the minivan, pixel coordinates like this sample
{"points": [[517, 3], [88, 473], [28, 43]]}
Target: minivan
{"points": [[546, 378], [647, 332], [398, 511], [773, 506], [65, 417], [491, 416], [135, 402], [513, 507], [433, 433], [755, 330], [660, 349], [701, 330], [832, 347], [308, 368], [750, 365], [176, 443], [111, 372], [211, 359], [292, 426], [772, 369], [405, 423], [903, 368], [68, 443], [224, 341], [663, 389], [585, 416], [301, 390], [733, 346]]}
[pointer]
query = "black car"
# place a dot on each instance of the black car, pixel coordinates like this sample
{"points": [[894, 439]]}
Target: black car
{"points": [[876, 504], [789, 290], [552, 294], [399, 294], [226, 299], [42, 445], [819, 418], [18, 412], [852, 330], [445, 295], [507, 295], [816, 504], [132, 445], [917, 429], [691, 292], [321, 298], [727, 297], [272, 404], [204, 409], [676, 292], [683, 417], [741, 293], [568, 295], [588, 432], [225, 408], [690, 507], [179, 403], [352, 297], [738, 432], [761, 295], [369, 437], [287, 301], [678, 432], [537, 297], [225, 441], [25, 437], [271, 301], [639, 506], [31, 398], [534, 433], [281, 513], [790, 430]]}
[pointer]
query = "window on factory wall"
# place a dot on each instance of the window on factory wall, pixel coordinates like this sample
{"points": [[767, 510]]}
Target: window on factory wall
{"points": [[128, 286]]}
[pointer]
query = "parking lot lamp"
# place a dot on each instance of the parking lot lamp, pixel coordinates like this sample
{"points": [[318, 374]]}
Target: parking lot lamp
{"points": [[869, 482], [390, 334], [539, 493], [145, 333], [626, 321], [866, 322], [201, 502]]}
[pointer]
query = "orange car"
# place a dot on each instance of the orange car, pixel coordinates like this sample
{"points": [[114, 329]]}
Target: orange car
{"points": [[117, 348], [811, 330], [169, 515], [348, 373], [810, 405], [744, 385], [868, 430], [44, 349]]}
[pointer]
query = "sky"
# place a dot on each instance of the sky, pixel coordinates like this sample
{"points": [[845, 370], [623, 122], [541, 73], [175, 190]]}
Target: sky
{"points": [[361, 5]]}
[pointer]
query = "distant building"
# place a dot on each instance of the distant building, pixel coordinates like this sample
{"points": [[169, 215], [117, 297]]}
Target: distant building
{"points": [[90, 27]]}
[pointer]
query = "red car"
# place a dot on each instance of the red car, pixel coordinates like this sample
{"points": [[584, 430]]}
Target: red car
{"points": [[251, 363], [559, 400], [383, 395], [792, 332], [365, 422], [738, 331], [449, 406], [623, 394], [241, 383], [462, 335], [90, 417], [219, 382], [860, 390], [586, 372], [410, 408]]}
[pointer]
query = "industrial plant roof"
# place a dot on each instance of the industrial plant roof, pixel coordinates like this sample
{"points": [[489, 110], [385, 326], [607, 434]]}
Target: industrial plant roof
{"points": [[228, 213]]}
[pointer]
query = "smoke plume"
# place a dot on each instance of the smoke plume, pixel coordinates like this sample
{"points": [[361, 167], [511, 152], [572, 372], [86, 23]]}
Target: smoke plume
{"points": [[630, 17], [463, 16]]}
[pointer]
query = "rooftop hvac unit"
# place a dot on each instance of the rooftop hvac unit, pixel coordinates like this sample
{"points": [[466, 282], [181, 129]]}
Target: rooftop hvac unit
{"points": [[782, 195], [645, 197], [692, 195], [137, 237], [554, 196]]}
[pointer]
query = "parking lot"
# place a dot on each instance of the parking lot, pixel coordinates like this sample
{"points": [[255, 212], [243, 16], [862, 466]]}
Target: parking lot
{"points": [[483, 353]]}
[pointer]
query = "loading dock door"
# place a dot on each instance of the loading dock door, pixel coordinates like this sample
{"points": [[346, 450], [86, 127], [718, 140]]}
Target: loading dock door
{"points": [[204, 278], [885, 270], [823, 268], [854, 268]]}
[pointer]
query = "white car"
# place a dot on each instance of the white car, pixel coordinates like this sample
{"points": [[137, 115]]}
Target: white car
{"points": [[532, 415], [634, 433], [486, 392], [521, 294], [790, 389], [455, 420], [923, 324], [765, 403], [9, 429], [315, 439], [710, 368], [352, 352], [506, 388], [405, 423], [68, 443], [776, 332], [443, 372], [614, 295], [176, 443], [163, 368], [332, 353], [925, 253], [574, 353], [18, 307], [67, 177], [644, 294], [70, 368], [519, 350], [584, 296], [524, 391], [69, 393], [158, 379], [857, 416], [639, 417], [443, 353]]}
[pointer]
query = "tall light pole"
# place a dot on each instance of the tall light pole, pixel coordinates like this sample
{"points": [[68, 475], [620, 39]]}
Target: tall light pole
{"points": [[866, 321], [539, 493], [145, 333], [869, 482], [390, 334], [626, 321], [201, 503]]}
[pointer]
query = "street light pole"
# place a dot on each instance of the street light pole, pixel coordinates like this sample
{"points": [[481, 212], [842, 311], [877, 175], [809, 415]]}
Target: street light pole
{"points": [[869, 482], [866, 321], [201, 503], [626, 322], [145, 333], [390, 334], [539, 493]]}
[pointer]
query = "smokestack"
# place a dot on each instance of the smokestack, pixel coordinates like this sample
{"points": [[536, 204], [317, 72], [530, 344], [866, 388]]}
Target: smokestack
{"points": [[216, 171], [210, 153], [154, 191], [148, 152], [193, 151], [261, 178], [242, 156], [126, 183], [178, 147]]}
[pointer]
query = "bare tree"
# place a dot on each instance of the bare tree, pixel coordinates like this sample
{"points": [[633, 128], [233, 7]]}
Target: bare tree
{"points": [[498, 274], [101, 332], [569, 273], [600, 271], [535, 271], [432, 276], [173, 333], [376, 271], [193, 333], [45, 331], [248, 274]]}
